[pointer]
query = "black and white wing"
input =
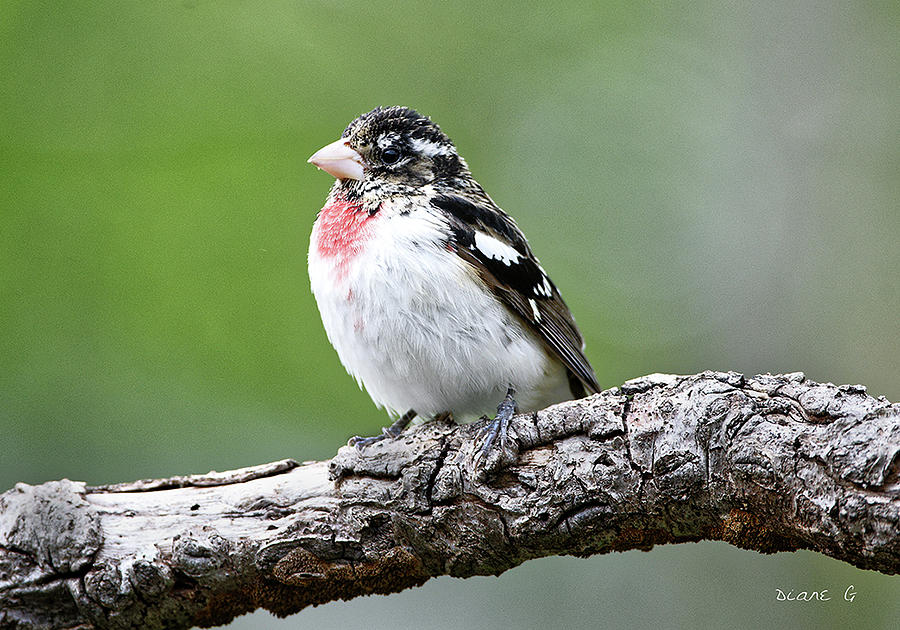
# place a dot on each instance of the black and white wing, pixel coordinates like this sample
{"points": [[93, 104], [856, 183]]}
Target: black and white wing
{"points": [[489, 240]]}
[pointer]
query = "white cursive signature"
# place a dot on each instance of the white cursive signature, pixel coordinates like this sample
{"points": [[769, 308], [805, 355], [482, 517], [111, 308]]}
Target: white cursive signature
{"points": [[812, 596]]}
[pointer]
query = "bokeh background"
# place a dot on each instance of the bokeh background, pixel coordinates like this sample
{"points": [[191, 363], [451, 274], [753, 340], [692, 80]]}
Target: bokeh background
{"points": [[712, 186]]}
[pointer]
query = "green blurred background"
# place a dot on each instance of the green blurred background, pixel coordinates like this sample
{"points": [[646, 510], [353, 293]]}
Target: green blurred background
{"points": [[712, 186]]}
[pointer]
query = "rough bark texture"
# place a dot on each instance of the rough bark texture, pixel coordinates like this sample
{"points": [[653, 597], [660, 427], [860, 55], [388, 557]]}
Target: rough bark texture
{"points": [[770, 463]]}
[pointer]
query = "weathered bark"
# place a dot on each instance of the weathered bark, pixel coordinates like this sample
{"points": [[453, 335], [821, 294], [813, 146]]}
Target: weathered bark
{"points": [[771, 463]]}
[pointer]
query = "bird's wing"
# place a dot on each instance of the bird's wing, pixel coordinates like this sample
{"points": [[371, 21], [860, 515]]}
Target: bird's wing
{"points": [[489, 240]]}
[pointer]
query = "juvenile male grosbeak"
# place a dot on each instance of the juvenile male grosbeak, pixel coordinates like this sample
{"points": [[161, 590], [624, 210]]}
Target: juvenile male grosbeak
{"points": [[428, 291]]}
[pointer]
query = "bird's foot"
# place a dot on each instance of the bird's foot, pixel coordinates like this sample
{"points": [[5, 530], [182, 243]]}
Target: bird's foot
{"points": [[497, 449], [391, 432], [361, 442]]}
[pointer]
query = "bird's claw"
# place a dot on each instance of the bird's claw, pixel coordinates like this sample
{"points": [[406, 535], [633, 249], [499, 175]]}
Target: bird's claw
{"points": [[361, 442], [497, 430], [391, 432]]}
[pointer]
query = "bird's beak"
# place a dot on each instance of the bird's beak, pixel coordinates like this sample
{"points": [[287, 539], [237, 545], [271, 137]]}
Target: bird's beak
{"points": [[339, 160]]}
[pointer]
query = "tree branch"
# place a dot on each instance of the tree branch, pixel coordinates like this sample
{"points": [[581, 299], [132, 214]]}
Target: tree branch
{"points": [[771, 463]]}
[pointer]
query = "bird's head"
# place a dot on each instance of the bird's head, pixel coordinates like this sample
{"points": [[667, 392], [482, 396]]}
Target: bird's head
{"points": [[392, 149]]}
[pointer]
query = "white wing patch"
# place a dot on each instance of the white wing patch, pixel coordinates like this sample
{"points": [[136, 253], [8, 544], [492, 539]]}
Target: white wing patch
{"points": [[498, 250], [544, 289]]}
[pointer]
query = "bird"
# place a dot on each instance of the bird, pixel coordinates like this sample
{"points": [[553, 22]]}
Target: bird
{"points": [[429, 291]]}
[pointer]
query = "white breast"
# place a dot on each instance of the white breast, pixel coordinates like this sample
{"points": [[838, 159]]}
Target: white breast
{"points": [[414, 325]]}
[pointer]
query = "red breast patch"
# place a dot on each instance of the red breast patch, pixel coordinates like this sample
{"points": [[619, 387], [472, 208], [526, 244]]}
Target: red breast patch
{"points": [[343, 228]]}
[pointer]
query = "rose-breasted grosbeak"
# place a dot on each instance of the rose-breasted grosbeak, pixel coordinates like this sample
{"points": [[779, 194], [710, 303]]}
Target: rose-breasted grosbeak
{"points": [[428, 291]]}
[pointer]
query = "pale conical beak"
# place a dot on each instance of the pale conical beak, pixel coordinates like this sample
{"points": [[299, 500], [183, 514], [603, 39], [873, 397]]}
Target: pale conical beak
{"points": [[339, 160]]}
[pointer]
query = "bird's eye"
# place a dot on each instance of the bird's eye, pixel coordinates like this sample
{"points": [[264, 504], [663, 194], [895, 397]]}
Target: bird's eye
{"points": [[390, 155]]}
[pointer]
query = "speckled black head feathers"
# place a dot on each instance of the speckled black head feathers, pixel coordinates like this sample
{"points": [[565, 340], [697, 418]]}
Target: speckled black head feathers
{"points": [[396, 119], [402, 147]]}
